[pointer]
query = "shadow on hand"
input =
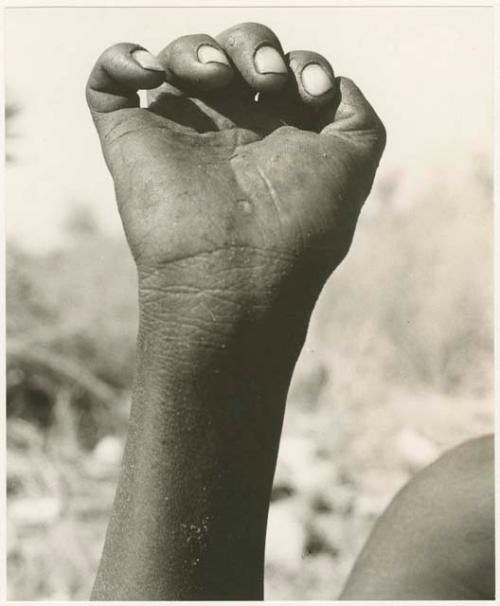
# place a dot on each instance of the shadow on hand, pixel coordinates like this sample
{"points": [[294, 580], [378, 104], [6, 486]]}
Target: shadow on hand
{"points": [[182, 111], [212, 112]]}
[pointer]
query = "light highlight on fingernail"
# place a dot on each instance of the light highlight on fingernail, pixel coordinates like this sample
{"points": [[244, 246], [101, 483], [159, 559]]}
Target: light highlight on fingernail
{"points": [[147, 61], [209, 54], [315, 80], [268, 61]]}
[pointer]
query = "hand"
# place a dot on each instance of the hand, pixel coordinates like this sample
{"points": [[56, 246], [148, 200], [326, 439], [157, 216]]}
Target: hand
{"points": [[236, 211], [252, 195]]}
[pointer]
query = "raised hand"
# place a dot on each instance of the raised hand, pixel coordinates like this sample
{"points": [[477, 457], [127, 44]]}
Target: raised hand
{"points": [[239, 187], [208, 169]]}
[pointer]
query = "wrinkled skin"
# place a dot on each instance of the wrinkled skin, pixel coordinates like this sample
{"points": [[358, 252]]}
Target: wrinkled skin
{"points": [[215, 173], [236, 211]]}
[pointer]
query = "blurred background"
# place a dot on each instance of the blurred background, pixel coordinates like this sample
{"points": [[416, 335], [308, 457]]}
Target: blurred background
{"points": [[398, 364]]}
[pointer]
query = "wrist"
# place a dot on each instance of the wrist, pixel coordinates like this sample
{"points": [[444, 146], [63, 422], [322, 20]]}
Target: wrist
{"points": [[212, 305]]}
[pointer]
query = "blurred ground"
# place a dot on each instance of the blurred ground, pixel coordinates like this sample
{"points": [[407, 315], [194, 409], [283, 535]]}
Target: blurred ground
{"points": [[397, 367]]}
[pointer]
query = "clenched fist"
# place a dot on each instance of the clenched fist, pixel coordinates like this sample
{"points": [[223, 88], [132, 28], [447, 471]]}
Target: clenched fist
{"points": [[247, 161], [239, 187]]}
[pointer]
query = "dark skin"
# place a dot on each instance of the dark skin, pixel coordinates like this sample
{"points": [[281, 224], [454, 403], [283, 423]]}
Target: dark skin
{"points": [[436, 540], [236, 211]]}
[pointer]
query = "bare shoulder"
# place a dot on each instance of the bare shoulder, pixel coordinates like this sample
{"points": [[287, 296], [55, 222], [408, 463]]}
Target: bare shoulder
{"points": [[466, 473], [436, 540]]}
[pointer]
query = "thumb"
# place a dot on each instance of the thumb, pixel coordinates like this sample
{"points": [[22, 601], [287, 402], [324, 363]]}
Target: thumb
{"points": [[354, 120]]}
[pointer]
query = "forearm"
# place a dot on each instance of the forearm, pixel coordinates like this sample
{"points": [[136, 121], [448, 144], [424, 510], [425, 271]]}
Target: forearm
{"points": [[236, 213], [190, 513]]}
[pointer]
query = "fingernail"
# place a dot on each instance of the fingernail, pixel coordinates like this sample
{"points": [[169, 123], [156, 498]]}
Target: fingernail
{"points": [[209, 54], [268, 61], [147, 61], [315, 80]]}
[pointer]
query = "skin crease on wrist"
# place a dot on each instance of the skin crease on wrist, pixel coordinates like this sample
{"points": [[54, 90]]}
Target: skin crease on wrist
{"points": [[236, 207]]}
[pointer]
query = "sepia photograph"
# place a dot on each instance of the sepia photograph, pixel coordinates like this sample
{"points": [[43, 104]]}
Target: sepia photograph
{"points": [[249, 273]]}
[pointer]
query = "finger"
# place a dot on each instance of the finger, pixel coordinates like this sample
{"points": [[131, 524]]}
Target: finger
{"points": [[314, 77], [354, 118], [256, 53], [311, 87], [196, 62], [119, 73]]}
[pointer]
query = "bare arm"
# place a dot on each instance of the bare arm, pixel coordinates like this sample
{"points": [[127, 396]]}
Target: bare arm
{"points": [[236, 212], [437, 538]]}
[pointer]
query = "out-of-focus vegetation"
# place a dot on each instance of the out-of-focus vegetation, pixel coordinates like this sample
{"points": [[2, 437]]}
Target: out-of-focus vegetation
{"points": [[398, 366]]}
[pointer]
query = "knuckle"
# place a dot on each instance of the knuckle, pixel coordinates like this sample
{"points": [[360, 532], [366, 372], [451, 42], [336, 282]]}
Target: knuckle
{"points": [[314, 56], [252, 26], [248, 32], [114, 54]]}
